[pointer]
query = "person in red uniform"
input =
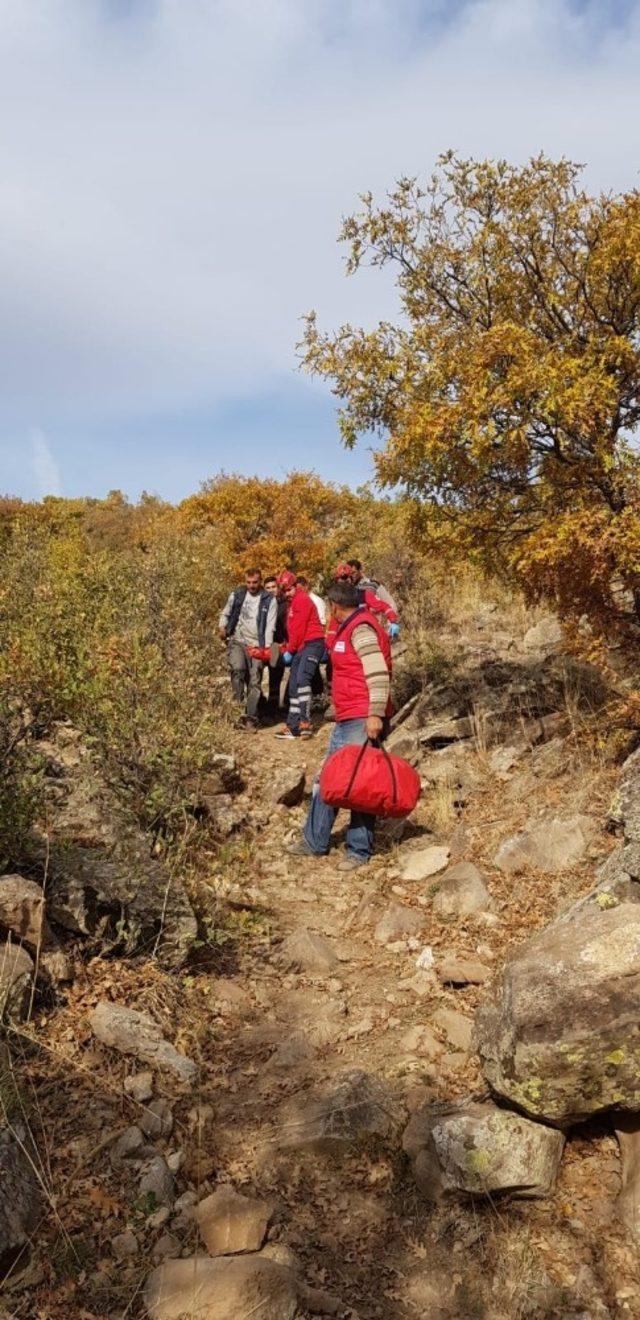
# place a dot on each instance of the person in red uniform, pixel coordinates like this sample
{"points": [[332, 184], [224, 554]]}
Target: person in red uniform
{"points": [[382, 608], [361, 659], [305, 647]]}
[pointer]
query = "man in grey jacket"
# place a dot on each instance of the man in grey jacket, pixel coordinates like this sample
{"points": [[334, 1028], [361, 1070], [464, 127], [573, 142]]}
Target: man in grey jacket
{"points": [[247, 624]]}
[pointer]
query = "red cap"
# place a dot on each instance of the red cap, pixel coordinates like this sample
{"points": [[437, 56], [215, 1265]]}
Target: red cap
{"points": [[286, 579], [342, 571]]}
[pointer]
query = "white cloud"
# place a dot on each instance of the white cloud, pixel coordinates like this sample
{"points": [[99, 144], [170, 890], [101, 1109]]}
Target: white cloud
{"points": [[174, 171], [44, 466]]}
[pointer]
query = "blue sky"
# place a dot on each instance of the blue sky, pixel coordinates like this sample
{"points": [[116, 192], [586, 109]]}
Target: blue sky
{"points": [[173, 177]]}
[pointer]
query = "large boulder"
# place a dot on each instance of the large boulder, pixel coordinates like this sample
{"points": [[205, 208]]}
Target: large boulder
{"points": [[473, 1149], [103, 880], [230, 1223], [559, 1033], [229, 1288], [22, 910], [549, 846], [16, 980]]}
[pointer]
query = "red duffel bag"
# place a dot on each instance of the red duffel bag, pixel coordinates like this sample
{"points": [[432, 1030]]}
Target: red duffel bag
{"points": [[368, 778]]}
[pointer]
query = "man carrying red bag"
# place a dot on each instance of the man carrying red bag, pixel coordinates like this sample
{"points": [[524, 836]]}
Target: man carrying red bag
{"points": [[361, 661]]}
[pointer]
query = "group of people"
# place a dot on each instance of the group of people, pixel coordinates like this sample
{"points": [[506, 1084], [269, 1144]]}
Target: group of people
{"points": [[281, 623]]}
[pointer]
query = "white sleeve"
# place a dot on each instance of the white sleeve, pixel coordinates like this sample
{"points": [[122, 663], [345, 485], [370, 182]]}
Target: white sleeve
{"points": [[272, 618], [224, 617]]}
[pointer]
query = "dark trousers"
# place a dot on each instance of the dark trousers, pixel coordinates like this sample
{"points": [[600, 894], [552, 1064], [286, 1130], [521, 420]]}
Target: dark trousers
{"points": [[246, 677], [303, 668], [276, 675]]}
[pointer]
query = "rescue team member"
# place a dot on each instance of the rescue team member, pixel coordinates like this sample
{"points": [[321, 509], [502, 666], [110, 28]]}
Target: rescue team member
{"points": [[367, 597], [365, 583], [317, 683], [361, 659], [247, 624], [276, 671], [305, 648]]}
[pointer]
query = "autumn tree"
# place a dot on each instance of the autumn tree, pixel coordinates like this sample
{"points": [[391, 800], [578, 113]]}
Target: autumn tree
{"points": [[507, 392]]}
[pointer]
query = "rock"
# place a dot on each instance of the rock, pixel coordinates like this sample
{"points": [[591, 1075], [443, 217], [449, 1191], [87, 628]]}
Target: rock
{"points": [[139, 1086], [156, 1119], [424, 862], [132, 1032], [320, 1302], [628, 1200], [157, 1181], [287, 787], [103, 880], [625, 808], [294, 1051], [543, 637], [397, 922], [559, 1032], [129, 1144], [230, 1223], [231, 998], [474, 1149], [461, 892], [437, 733], [175, 1161], [356, 1106], [550, 846], [54, 965], [462, 971], [457, 1028], [421, 1040], [22, 910], [503, 759], [125, 1245], [306, 951], [167, 1247], [236, 1288], [404, 742], [21, 1204], [16, 980]]}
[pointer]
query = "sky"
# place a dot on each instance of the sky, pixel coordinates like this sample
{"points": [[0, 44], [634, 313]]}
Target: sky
{"points": [[173, 177]]}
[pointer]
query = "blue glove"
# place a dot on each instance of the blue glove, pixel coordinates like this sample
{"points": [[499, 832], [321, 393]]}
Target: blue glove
{"points": [[287, 657], [394, 631]]}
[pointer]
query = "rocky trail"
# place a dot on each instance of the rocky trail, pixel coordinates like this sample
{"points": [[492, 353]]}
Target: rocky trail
{"points": [[250, 1132]]}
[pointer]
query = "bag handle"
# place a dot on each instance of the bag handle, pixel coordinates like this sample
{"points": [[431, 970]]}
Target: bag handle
{"points": [[375, 742]]}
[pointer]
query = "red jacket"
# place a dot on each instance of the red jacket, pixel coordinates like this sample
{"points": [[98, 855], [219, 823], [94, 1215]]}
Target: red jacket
{"points": [[303, 623], [349, 689], [378, 606]]}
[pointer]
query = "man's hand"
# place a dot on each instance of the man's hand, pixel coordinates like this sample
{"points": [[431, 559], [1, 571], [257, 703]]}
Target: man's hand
{"points": [[374, 726], [223, 634]]}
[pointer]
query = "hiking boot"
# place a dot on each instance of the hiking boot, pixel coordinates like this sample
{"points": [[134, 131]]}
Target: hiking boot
{"points": [[284, 733], [352, 863], [301, 849], [306, 730], [251, 726]]}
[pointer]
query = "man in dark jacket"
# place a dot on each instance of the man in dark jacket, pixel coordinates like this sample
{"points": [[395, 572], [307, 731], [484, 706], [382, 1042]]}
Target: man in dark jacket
{"points": [[247, 624]]}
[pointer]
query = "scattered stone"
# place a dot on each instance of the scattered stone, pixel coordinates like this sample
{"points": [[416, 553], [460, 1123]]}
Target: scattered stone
{"points": [[559, 1033], [503, 759], [230, 1223], [474, 1149], [125, 1245], [159, 1218], [128, 1145], [175, 1160], [139, 1086], [397, 922], [156, 1119], [424, 862], [22, 910], [356, 1106], [242, 1288], [167, 1247], [157, 1181], [293, 1052], [457, 1028], [421, 1040], [550, 846], [132, 1032], [306, 951], [543, 637], [231, 998], [16, 979], [287, 787], [462, 971], [20, 1195], [461, 892]]}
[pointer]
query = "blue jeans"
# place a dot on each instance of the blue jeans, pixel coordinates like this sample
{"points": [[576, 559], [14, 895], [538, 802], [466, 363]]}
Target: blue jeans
{"points": [[319, 822], [303, 668]]}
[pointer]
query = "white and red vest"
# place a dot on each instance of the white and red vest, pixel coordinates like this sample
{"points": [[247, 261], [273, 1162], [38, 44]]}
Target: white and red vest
{"points": [[349, 690]]}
